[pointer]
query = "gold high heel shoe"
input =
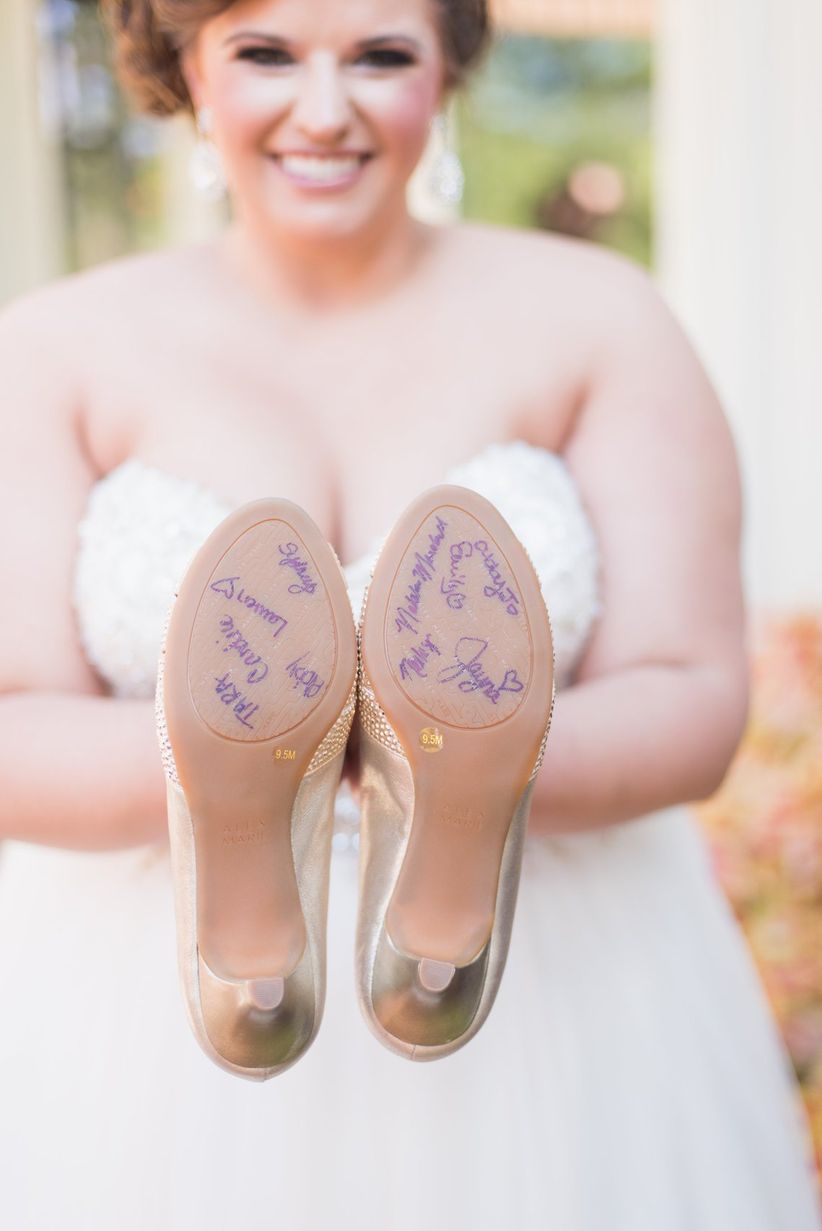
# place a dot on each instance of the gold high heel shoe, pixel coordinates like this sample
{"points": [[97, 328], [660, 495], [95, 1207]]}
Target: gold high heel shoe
{"points": [[256, 692], [456, 698]]}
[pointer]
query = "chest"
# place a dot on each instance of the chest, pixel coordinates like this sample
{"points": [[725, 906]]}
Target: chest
{"points": [[349, 422]]}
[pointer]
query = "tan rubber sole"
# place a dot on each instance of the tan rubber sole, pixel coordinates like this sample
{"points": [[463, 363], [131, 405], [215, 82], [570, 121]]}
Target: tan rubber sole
{"points": [[260, 658], [456, 641]]}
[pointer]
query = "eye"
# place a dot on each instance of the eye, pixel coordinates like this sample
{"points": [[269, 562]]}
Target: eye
{"points": [[388, 57], [382, 57], [262, 55]]}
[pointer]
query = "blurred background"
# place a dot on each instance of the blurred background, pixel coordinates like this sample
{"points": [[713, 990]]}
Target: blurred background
{"points": [[685, 133]]}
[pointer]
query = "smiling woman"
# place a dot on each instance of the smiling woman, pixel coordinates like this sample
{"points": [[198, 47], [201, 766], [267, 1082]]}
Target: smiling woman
{"points": [[317, 114], [540, 415]]}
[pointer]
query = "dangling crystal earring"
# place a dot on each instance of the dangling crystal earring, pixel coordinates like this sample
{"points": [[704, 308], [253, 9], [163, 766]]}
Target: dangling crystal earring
{"points": [[205, 167], [446, 178]]}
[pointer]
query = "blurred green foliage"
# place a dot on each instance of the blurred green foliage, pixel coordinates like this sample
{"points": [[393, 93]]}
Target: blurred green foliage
{"points": [[537, 108]]}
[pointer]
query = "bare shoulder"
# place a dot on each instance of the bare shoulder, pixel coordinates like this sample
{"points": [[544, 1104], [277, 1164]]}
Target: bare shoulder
{"points": [[51, 340], [99, 297], [553, 265], [598, 313], [610, 307]]}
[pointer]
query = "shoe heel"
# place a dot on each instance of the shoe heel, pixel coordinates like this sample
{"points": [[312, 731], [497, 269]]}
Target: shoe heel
{"points": [[256, 695]]}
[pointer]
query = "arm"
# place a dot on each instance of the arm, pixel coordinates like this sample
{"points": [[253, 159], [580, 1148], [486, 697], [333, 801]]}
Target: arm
{"points": [[660, 700], [79, 768]]}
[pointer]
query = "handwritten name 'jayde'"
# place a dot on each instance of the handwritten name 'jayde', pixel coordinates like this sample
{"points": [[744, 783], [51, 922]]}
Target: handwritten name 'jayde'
{"points": [[292, 559], [422, 572], [477, 680], [228, 587]]}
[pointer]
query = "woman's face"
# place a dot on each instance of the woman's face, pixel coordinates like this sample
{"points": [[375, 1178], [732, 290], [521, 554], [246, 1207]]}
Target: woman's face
{"points": [[351, 85]]}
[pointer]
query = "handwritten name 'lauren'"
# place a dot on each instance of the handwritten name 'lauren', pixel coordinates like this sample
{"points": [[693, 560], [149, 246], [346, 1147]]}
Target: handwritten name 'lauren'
{"points": [[228, 587]]}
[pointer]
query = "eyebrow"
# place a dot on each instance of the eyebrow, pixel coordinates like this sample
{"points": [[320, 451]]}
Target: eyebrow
{"points": [[363, 43]]}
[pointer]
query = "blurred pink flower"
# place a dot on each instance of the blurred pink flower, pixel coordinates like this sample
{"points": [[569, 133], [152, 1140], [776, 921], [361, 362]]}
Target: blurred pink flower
{"points": [[764, 829]]}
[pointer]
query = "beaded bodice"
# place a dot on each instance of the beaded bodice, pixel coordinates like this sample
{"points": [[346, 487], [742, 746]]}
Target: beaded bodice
{"points": [[142, 525]]}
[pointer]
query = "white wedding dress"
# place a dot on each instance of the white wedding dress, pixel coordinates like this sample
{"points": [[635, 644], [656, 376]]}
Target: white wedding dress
{"points": [[629, 1076]]}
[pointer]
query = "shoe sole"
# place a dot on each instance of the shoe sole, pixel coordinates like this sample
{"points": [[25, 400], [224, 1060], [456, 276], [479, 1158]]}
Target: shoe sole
{"points": [[260, 657], [456, 644]]}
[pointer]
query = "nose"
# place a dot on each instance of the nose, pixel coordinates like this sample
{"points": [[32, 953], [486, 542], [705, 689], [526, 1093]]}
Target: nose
{"points": [[323, 109]]}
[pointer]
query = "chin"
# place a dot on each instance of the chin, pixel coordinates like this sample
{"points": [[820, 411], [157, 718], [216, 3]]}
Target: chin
{"points": [[318, 230], [324, 221]]}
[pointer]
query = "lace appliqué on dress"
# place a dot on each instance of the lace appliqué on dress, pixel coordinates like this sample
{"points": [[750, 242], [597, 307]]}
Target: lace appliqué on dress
{"points": [[139, 532]]}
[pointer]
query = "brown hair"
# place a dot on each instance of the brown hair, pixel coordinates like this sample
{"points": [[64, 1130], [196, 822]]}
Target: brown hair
{"points": [[149, 33]]}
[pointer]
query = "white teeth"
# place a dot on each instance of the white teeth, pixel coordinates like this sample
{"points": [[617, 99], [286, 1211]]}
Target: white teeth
{"points": [[318, 169]]}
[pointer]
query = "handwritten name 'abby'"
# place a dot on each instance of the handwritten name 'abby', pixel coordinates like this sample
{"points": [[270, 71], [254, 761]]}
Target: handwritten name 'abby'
{"points": [[475, 679], [407, 615], [305, 677], [228, 587]]}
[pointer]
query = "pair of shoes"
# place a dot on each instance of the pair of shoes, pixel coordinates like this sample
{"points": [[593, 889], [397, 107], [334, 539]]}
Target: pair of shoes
{"points": [[258, 680]]}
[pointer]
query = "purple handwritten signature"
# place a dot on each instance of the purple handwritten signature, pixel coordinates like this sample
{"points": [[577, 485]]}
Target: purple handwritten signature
{"points": [[229, 694], [304, 677], [453, 587], [498, 587], [407, 615], [474, 676], [414, 662], [236, 643], [228, 587], [293, 559]]}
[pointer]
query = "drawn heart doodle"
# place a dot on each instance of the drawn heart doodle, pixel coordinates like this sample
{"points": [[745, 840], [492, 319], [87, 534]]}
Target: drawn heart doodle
{"points": [[511, 682]]}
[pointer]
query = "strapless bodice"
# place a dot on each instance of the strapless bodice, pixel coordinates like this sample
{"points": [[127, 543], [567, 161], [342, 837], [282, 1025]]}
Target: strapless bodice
{"points": [[142, 525]]}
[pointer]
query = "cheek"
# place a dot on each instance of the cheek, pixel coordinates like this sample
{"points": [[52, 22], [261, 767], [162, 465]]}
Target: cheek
{"points": [[404, 114], [243, 111]]}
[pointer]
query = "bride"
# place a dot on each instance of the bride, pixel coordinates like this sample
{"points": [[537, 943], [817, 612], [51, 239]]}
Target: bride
{"points": [[331, 349]]}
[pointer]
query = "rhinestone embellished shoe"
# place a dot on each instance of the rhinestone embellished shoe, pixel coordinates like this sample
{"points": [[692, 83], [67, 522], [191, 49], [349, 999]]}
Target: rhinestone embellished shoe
{"points": [[455, 703], [256, 693]]}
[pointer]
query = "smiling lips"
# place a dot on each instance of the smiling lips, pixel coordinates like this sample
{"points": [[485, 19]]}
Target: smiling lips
{"points": [[328, 170]]}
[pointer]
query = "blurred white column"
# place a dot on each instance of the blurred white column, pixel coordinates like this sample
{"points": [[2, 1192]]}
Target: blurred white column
{"points": [[31, 228], [739, 201]]}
